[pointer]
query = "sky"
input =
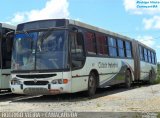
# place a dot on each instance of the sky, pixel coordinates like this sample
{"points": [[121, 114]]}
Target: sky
{"points": [[137, 19]]}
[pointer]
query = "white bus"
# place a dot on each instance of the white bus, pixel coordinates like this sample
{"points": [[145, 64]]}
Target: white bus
{"points": [[66, 56], [5, 54]]}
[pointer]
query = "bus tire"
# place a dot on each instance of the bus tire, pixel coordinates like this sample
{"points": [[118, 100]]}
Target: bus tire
{"points": [[151, 78], [92, 85], [128, 80]]}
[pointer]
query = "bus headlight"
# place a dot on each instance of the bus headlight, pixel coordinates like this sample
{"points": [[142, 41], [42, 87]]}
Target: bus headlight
{"points": [[15, 82], [60, 81], [57, 81]]}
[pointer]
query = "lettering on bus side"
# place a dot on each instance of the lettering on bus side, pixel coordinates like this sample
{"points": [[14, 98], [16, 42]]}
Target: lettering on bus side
{"points": [[107, 65]]}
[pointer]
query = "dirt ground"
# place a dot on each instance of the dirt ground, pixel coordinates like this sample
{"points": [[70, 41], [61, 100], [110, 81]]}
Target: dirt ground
{"points": [[137, 99]]}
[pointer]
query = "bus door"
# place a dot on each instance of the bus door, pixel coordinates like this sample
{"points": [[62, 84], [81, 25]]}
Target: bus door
{"points": [[77, 61], [6, 51]]}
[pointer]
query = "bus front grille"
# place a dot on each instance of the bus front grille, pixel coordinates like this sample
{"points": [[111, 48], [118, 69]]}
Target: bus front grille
{"points": [[36, 91], [36, 82], [40, 76]]}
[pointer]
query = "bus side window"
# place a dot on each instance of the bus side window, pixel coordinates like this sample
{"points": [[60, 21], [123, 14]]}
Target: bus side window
{"points": [[90, 43], [145, 55], [149, 56], [141, 53], [77, 50], [7, 42], [152, 57], [101, 44], [128, 49], [112, 47], [120, 48]]}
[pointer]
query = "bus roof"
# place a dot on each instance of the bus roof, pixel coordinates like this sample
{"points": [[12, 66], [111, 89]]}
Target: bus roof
{"points": [[8, 26], [87, 26], [78, 23]]}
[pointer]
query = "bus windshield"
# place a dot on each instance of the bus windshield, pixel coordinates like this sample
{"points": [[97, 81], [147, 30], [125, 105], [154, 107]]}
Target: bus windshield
{"points": [[40, 50]]}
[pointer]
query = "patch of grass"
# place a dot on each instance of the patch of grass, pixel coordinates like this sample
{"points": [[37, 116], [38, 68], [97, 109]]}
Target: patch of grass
{"points": [[158, 116], [157, 81]]}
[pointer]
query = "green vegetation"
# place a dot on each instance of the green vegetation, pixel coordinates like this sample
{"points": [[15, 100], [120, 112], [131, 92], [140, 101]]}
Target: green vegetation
{"points": [[158, 116], [158, 74]]}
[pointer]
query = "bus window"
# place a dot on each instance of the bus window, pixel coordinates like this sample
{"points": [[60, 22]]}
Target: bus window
{"points": [[152, 55], [155, 58], [128, 49], [120, 48], [149, 56], [141, 53], [90, 43], [145, 55], [6, 48], [101, 44], [112, 47], [77, 50]]}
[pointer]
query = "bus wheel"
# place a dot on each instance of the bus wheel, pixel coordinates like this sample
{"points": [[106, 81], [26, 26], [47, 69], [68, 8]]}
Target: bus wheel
{"points": [[91, 85], [151, 78], [128, 79]]}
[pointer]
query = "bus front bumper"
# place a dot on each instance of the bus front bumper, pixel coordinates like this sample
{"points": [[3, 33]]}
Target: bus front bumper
{"points": [[41, 90]]}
